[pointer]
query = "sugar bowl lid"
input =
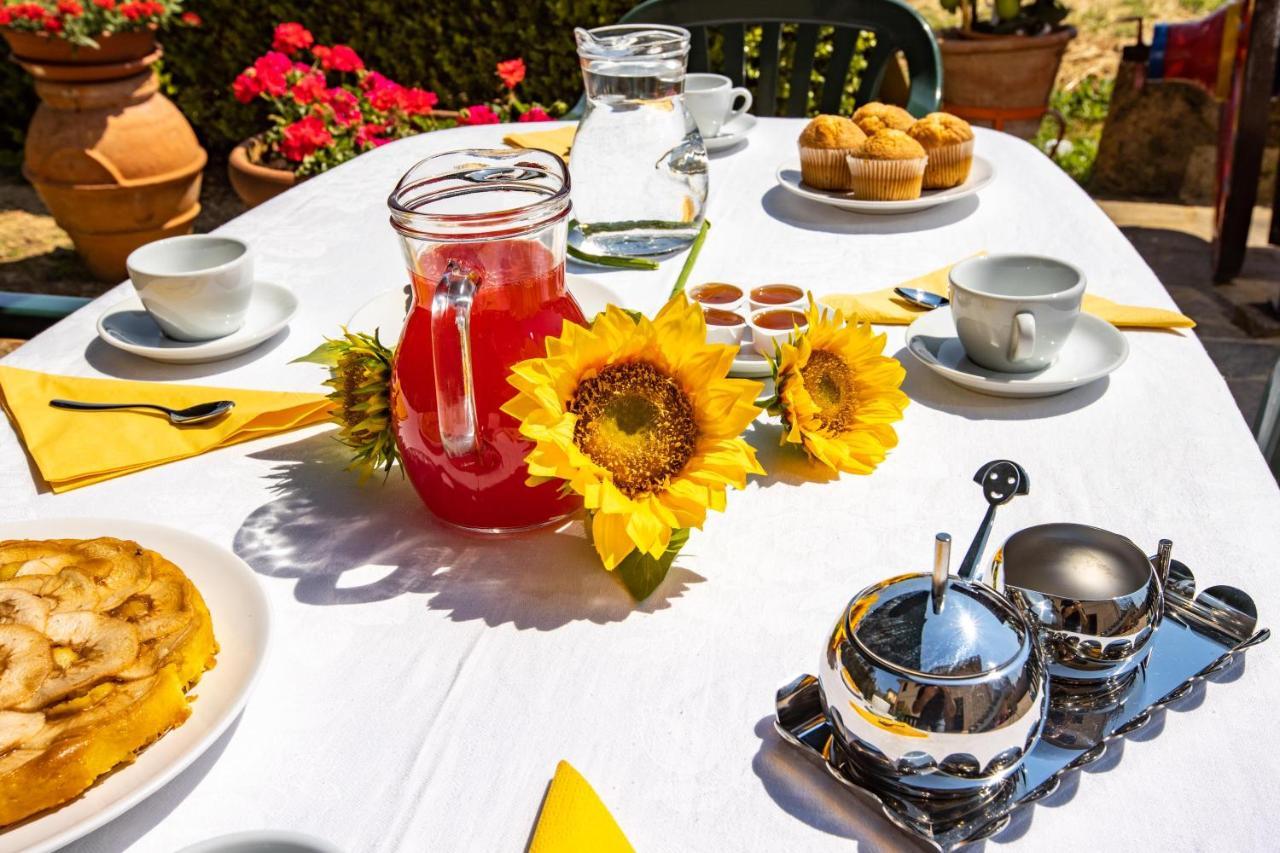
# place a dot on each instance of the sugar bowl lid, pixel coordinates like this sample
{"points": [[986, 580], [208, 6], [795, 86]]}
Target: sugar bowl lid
{"points": [[936, 625]]}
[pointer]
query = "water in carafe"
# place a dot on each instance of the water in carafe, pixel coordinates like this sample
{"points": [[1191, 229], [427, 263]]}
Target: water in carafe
{"points": [[638, 164]]}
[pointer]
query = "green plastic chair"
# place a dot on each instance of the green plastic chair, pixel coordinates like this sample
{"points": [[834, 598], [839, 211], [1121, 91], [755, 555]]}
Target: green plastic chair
{"points": [[24, 315], [897, 28]]}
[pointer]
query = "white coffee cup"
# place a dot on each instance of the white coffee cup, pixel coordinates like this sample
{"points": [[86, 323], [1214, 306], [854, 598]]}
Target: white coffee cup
{"points": [[196, 287], [1013, 313], [710, 100]]}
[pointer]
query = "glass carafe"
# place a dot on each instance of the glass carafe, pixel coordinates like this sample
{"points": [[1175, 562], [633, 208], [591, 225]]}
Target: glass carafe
{"points": [[639, 164], [483, 234]]}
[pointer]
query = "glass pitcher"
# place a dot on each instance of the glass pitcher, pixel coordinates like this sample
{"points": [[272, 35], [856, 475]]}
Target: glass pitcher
{"points": [[639, 164], [483, 234]]}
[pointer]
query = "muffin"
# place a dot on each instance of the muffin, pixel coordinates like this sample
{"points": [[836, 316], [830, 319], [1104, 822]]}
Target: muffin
{"points": [[824, 144], [889, 166], [948, 140], [877, 116]]}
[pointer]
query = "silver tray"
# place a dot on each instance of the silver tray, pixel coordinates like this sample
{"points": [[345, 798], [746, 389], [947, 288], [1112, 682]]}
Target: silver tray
{"points": [[1203, 635]]}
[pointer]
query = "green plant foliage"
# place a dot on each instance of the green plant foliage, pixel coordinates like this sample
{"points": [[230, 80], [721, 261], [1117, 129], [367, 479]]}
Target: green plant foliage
{"points": [[448, 47], [1085, 109]]}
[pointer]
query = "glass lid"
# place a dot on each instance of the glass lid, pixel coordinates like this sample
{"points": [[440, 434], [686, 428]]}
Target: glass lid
{"points": [[975, 631]]}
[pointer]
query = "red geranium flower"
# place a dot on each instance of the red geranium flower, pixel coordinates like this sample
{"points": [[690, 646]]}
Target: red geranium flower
{"points": [[417, 101], [371, 134], [303, 138], [6, 15], [70, 8], [535, 114], [53, 25], [479, 114], [270, 69], [191, 19], [31, 11], [291, 37], [511, 72], [339, 57], [133, 11], [309, 88], [346, 109], [105, 4], [246, 87]]}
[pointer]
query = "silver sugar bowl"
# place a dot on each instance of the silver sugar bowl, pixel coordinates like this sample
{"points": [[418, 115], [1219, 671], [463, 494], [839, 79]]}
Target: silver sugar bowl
{"points": [[1097, 598], [933, 683]]}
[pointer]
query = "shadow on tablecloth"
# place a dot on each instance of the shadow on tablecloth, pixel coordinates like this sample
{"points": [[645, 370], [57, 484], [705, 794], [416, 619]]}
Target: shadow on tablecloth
{"points": [[926, 388], [797, 212], [347, 543]]}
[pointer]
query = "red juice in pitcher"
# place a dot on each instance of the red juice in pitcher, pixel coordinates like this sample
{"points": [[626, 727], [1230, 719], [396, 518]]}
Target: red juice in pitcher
{"points": [[482, 303]]}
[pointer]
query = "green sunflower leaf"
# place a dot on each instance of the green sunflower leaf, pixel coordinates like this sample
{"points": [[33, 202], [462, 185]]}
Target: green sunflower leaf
{"points": [[642, 574]]}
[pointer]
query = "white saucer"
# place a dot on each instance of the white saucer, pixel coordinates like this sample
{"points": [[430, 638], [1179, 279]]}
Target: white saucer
{"points": [[982, 173], [128, 327], [386, 311], [731, 133], [1094, 349]]}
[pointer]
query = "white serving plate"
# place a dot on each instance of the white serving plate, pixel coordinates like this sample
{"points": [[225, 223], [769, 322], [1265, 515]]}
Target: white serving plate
{"points": [[731, 133], [242, 625], [982, 173]]}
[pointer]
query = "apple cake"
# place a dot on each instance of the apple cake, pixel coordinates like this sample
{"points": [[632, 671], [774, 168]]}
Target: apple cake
{"points": [[100, 640]]}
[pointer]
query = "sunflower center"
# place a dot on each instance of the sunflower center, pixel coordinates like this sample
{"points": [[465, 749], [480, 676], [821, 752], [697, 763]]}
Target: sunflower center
{"points": [[636, 422], [830, 383]]}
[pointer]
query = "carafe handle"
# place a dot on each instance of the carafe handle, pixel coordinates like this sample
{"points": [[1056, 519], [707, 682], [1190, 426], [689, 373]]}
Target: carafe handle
{"points": [[451, 357]]}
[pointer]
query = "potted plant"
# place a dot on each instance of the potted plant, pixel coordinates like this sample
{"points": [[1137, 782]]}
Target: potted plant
{"points": [[326, 107], [116, 163], [999, 71]]}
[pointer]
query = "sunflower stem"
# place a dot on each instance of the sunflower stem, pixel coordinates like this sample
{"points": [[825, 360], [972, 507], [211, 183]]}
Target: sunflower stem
{"points": [[692, 258]]}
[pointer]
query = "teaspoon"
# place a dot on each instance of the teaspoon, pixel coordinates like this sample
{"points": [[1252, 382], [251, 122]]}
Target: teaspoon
{"points": [[922, 298], [196, 414]]}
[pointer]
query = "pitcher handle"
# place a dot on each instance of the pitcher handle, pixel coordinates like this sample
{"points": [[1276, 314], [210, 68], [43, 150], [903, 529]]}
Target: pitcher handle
{"points": [[451, 357]]}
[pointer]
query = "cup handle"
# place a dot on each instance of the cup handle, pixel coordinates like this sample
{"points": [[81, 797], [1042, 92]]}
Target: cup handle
{"points": [[1023, 340], [734, 94], [451, 353]]}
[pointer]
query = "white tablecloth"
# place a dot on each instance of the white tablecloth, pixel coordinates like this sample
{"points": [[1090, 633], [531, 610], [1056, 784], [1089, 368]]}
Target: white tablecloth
{"points": [[423, 684]]}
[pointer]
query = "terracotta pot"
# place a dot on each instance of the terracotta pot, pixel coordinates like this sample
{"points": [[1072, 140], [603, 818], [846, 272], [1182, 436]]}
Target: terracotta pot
{"points": [[118, 47], [115, 162], [1001, 81], [252, 182]]}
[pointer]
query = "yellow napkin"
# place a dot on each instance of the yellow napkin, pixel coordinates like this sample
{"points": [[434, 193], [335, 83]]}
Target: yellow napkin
{"points": [[573, 820], [884, 306], [557, 141], [74, 449]]}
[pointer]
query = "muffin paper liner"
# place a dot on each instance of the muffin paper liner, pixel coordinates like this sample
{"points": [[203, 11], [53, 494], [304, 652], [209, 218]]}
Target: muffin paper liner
{"points": [[886, 180], [949, 165], [824, 168]]}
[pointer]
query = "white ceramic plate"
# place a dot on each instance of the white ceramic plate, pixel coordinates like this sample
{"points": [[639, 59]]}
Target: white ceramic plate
{"points": [[385, 312], [242, 624], [1094, 349], [982, 173], [126, 326], [731, 133], [750, 364]]}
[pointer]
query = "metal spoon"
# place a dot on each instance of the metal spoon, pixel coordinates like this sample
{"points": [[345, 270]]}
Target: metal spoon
{"points": [[196, 414], [1001, 481], [922, 298]]}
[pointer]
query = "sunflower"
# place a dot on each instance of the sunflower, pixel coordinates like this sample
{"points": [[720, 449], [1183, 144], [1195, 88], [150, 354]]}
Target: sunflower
{"points": [[837, 393], [637, 417]]}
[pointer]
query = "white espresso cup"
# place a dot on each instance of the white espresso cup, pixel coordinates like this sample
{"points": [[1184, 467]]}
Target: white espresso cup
{"points": [[710, 99], [1013, 313], [196, 287]]}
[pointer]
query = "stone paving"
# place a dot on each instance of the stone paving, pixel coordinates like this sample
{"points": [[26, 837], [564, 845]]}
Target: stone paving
{"points": [[1236, 322]]}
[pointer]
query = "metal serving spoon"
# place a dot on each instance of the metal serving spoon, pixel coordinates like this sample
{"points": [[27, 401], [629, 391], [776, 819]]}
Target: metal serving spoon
{"points": [[922, 298], [196, 414]]}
